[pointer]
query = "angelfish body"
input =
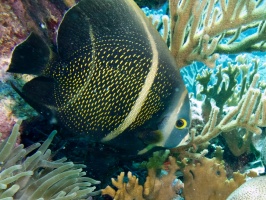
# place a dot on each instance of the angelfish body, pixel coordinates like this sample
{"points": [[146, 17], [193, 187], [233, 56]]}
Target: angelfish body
{"points": [[112, 78]]}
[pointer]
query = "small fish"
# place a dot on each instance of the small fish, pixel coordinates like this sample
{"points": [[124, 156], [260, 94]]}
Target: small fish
{"points": [[112, 78]]}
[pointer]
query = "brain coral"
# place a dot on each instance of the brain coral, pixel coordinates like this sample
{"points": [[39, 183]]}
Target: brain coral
{"points": [[252, 189]]}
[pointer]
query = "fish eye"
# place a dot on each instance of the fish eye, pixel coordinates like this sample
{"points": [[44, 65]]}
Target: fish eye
{"points": [[181, 124]]}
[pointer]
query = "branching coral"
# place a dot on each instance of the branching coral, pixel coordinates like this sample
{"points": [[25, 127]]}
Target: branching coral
{"points": [[36, 177], [225, 88], [155, 188], [222, 90], [249, 114], [198, 27], [203, 178]]}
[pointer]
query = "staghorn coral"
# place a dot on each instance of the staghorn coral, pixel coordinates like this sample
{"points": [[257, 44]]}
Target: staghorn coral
{"points": [[126, 191], [165, 187], [203, 178], [251, 189], [24, 176]]}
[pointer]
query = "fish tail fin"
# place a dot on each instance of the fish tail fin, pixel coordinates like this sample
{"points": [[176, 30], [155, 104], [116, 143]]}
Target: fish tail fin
{"points": [[30, 56]]}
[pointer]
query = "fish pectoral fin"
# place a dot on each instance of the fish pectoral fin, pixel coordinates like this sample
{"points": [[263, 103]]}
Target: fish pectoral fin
{"points": [[30, 56], [151, 137], [146, 149], [38, 93]]}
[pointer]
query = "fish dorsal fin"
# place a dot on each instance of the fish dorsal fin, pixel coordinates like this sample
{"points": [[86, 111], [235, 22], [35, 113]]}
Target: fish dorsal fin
{"points": [[91, 20], [31, 56]]}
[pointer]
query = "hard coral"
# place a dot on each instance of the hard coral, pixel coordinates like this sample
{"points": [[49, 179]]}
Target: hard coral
{"points": [[36, 177], [155, 188], [206, 179], [252, 189], [197, 29], [249, 114]]}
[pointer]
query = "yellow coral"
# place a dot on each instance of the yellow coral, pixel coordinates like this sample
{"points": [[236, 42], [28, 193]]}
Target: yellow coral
{"points": [[125, 191], [196, 28], [154, 188], [207, 180]]}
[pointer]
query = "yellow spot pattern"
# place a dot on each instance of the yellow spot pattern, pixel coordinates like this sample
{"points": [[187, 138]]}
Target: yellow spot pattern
{"points": [[97, 87]]}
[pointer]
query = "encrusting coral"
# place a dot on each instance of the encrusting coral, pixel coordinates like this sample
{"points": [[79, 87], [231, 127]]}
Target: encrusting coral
{"points": [[31, 177], [207, 179]]}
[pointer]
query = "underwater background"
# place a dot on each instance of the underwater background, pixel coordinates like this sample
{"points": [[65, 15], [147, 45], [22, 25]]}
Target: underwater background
{"points": [[218, 46]]}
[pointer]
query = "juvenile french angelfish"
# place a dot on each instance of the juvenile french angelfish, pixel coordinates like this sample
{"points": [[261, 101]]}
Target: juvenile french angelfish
{"points": [[112, 78]]}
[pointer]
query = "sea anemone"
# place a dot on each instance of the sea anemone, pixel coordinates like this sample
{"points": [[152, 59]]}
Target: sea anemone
{"points": [[35, 176]]}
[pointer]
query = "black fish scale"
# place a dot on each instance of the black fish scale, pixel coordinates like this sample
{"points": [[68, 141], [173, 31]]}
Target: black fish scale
{"points": [[157, 97], [98, 96]]}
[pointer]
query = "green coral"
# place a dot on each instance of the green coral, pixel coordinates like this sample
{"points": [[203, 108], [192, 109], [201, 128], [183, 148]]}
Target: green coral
{"points": [[156, 160], [24, 176], [223, 89]]}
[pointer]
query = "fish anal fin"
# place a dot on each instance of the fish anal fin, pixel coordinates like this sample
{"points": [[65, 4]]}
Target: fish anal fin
{"points": [[38, 94]]}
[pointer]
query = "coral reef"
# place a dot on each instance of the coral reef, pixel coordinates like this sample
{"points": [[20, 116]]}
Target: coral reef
{"points": [[156, 187], [207, 178], [35, 176], [252, 189], [237, 125], [198, 29], [224, 89], [248, 114], [203, 178], [19, 18]]}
